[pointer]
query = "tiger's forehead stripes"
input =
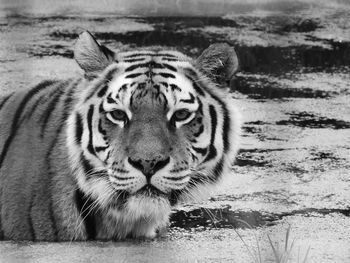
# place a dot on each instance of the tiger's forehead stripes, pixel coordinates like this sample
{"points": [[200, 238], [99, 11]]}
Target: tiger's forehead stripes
{"points": [[161, 53], [150, 78]]}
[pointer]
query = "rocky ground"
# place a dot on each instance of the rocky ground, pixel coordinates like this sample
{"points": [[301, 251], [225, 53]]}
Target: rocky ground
{"points": [[294, 166]]}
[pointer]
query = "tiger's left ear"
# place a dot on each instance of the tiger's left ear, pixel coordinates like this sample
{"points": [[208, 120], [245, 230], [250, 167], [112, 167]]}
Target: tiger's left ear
{"points": [[91, 56], [219, 62]]}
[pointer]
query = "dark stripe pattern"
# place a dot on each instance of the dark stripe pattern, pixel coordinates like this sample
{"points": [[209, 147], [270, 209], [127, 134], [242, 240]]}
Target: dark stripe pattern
{"points": [[149, 65], [19, 111], [175, 87], [202, 151], [226, 124], [190, 100], [102, 91], [87, 167], [2, 103], [135, 75], [89, 121], [29, 219], [100, 148], [149, 54], [212, 150], [218, 169], [192, 75], [78, 128], [167, 75], [102, 86], [134, 60], [42, 99], [101, 129], [84, 205], [67, 104], [50, 108], [198, 89]]}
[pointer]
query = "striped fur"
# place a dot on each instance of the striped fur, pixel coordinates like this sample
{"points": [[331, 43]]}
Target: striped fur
{"points": [[107, 156]]}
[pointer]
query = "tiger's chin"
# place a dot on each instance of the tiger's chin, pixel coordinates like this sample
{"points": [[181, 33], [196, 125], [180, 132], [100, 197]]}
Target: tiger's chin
{"points": [[145, 214], [150, 191]]}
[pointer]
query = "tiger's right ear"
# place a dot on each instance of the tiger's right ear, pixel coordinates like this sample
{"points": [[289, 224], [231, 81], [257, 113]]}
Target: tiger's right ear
{"points": [[91, 56], [219, 62]]}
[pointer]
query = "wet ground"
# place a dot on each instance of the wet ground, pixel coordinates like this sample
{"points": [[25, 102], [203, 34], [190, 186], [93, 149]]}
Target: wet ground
{"points": [[294, 92]]}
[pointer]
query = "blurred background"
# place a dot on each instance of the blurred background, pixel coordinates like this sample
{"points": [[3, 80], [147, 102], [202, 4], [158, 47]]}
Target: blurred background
{"points": [[293, 89], [161, 7]]}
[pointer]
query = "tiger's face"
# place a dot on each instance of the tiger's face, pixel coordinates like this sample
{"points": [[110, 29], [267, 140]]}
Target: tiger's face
{"points": [[154, 125], [150, 129]]}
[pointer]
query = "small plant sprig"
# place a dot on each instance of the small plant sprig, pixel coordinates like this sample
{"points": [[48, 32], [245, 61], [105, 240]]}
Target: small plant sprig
{"points": [[280, 256]]}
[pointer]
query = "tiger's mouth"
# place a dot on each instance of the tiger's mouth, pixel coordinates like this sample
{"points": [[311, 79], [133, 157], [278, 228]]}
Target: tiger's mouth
{"points": [[151, 191], [146, 192], [154, 192]]}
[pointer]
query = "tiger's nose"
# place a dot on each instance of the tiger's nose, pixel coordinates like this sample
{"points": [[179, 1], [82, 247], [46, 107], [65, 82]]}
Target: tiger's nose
{"points": [[149, 167]]}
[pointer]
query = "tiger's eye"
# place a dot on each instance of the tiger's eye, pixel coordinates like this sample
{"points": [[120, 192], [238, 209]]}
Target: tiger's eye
{"points": [[181, 115], [119, 115]]}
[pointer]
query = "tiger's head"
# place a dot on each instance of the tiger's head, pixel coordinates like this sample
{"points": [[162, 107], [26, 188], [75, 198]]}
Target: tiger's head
{"points": [[151, 127]]}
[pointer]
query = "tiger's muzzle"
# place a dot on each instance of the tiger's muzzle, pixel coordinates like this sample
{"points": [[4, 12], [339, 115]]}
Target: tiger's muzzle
{"points": [[149, 166]]}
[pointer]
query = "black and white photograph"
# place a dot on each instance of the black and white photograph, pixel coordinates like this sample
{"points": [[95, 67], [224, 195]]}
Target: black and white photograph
{"points": [[175, 131]]}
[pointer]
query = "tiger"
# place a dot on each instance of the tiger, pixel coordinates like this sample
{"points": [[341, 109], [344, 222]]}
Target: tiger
{"points": [[108, 154]]}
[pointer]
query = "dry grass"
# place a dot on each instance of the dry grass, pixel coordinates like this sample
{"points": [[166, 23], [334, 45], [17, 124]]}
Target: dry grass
{"points": [[281, 255]]}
